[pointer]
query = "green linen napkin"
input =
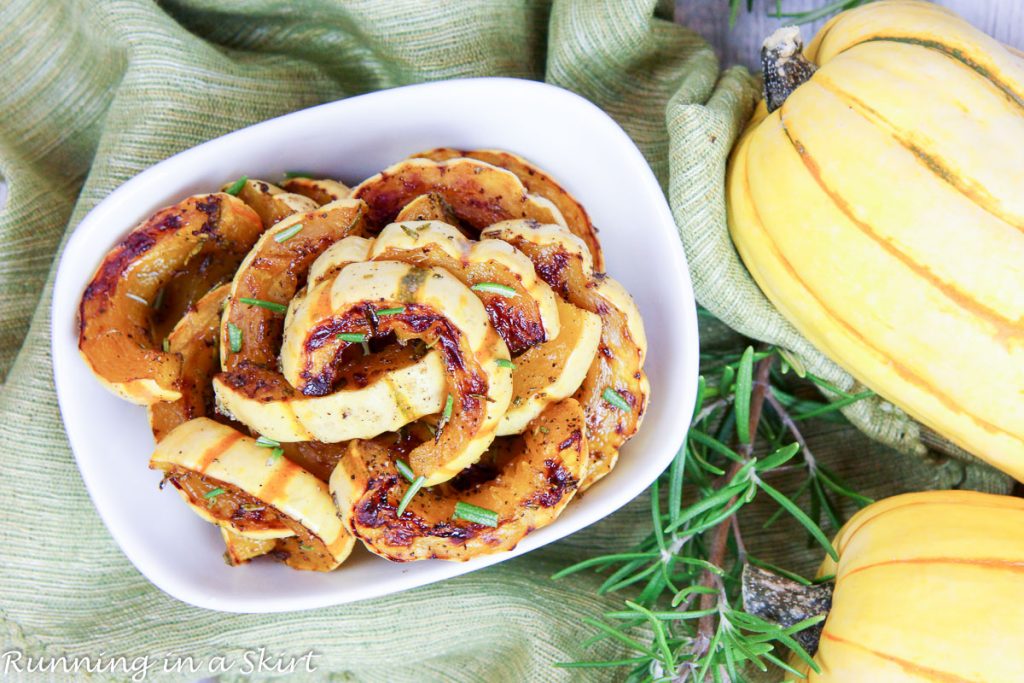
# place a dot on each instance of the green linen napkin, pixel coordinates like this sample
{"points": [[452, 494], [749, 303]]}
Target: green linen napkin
{"points": [[95, 91]]}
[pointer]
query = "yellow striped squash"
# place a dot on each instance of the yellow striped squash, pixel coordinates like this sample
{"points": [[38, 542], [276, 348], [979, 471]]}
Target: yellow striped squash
{"points": [[927, 588], [881, 209]]}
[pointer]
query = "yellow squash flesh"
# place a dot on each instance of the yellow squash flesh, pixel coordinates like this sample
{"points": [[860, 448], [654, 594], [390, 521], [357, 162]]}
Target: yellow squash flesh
{"points": [[927, 588], [880, 209]]}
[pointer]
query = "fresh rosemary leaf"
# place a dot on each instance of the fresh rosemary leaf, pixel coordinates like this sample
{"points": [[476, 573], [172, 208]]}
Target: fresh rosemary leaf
{"points": [[615, 398], [813, 529], [267, 442], [212, 494], [503, 363], [390, 311], [352, 337], [744, 384], [288, 233], [269, 305], [494, 288], [275, 455], [136, 297], [288, 175], [404, 469], [446, 414], [477, 515], [236, 187], [234, 337], [413, 489]]}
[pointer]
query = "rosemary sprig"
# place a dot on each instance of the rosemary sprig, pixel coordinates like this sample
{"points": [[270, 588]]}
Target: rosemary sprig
{"points": [[683, 579], [803, 17]]}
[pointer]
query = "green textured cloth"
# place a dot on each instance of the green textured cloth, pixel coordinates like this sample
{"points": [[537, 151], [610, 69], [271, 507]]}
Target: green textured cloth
{"points": [[95, 91]]}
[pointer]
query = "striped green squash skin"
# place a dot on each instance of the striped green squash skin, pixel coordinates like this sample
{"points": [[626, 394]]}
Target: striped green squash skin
{"points": [[879, 208]]}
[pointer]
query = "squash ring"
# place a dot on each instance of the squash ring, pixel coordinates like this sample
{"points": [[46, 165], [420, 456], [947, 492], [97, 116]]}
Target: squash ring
{"points": [[429, 304], [532, 479], [562, 260], [271, 202], [539, 183], [256, 493], [116, 314], [478, 193]]}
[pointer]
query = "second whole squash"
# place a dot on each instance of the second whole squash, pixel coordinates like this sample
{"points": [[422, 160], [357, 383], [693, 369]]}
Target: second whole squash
{"points": [[876, 199]]}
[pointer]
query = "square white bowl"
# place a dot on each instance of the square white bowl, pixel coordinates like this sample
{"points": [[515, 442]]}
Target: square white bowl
{"points": [[581, 146]]}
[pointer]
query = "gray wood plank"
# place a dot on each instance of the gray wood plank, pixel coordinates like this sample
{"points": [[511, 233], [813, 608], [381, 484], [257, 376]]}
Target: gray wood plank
{"points": [[1003, 19]]}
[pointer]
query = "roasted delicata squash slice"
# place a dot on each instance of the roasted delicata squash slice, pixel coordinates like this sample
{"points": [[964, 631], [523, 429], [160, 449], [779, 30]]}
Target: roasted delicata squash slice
{"points": [[320, 190], [337, 256], [373, 300], [615, 391], [526, 480], [194, 339], [239, 549], [478, 193], [553, 370], [428, 207], [240, 485], [537, 182], [116, 314], [270, 201], [273, 271], [519, 304]]}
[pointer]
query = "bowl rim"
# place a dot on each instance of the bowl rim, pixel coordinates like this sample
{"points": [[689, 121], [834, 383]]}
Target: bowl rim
{"points": [[67, 293]]}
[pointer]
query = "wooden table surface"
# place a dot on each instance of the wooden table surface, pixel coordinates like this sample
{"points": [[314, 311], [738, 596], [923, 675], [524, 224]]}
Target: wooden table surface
{"points": [[1003, 19]]}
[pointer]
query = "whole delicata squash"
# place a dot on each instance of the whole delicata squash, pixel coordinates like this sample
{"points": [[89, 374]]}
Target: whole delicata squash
{"points": [[876, 201], [119, 306], [526, 480], [375, 299], [537, 182], [478, 193], [615, 390], [228, 478]]}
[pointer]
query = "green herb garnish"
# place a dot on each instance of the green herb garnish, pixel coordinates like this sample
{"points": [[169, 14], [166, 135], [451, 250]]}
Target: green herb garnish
{"points": [[446, 415], [297, 174], [390, 311], [269, 305], [275, 455], [305, 548], [136, 297], [236, 187], [234, 337], [354, 337], [212, 494], [502, 363], [615, 398], [494, 288], [404, 469], [414, 487], [475, 514], [167, 344], [288, 233], [267, 442]]}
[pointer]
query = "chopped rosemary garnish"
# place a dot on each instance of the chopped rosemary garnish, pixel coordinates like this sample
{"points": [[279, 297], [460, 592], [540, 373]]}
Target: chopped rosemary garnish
{"points": [[234, 337], [248, 507], [494, 288], [305, 548], [410, 232], [159, 300], [275, 455], [446, 414], [390, 311], [267, 442], [167, 344], [297, 174], [475, 514], [353, 337], [136, 297], [404, 469], [288, 233], [269, 305], [236, 187], [615, 398], [503, 363], [212, 494], [414, 487]]}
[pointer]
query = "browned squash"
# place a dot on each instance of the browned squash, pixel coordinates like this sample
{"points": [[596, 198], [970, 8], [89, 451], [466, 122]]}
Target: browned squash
{"points": [[320, 190], [271, 202], [538, 182], [428, 207], [194, 338], [478, 193], [615, 390], [116, 315], [526, 480]]}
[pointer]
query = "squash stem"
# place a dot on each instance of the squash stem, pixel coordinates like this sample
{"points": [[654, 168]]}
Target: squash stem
{"points": [[785, 66], [786, 602]]}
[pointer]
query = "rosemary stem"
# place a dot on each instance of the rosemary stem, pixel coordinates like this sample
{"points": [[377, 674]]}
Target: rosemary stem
{"points": [[790, 424], [707, 624]]}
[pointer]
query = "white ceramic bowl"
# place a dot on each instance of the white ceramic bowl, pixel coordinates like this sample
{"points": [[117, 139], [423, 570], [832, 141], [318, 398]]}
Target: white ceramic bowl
{"points": [[576, 142]]}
